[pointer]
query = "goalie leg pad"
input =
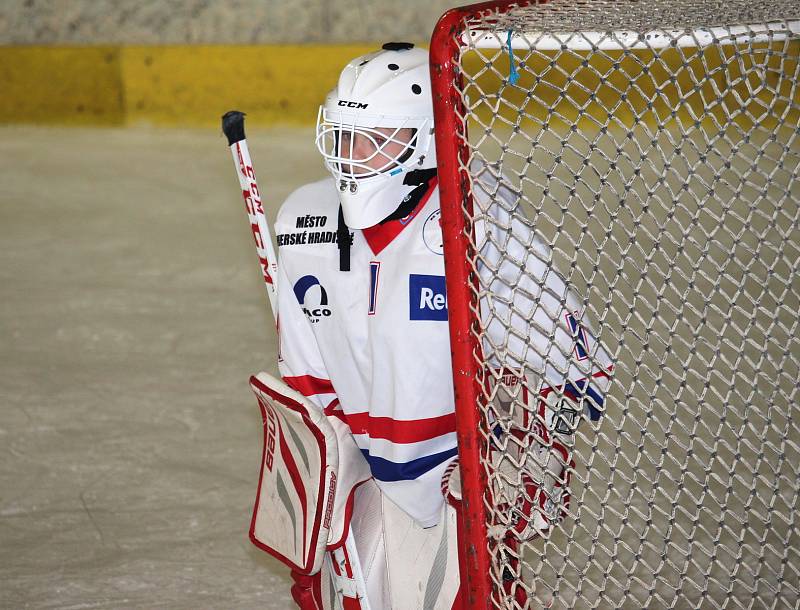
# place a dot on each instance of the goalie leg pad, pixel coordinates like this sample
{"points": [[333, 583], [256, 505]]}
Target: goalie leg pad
{"points": [[353, 472], [367, 531], [402, 564], [295, 498], [422, 563]]}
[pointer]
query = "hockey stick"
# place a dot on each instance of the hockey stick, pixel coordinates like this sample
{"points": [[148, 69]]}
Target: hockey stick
{"points": [[346, 559], [233, 128]]}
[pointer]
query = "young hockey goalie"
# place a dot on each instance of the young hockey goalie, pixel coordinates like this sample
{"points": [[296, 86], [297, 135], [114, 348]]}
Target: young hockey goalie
{"points": [[359, 492]]}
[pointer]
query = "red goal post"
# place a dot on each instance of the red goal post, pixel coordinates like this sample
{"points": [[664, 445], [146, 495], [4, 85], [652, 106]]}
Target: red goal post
{"points": [[670, 135], [454, 192]]}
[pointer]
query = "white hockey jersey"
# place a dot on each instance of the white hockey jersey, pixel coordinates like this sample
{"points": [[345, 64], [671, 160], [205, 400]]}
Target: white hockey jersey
{"points": [[371, 345]]}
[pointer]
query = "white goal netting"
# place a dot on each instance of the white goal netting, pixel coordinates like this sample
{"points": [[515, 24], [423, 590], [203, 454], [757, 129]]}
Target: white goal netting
{"points": [[655, 149]]}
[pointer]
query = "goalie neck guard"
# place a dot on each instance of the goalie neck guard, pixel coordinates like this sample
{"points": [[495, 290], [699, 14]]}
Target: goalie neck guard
{"points": [[375, 130]]}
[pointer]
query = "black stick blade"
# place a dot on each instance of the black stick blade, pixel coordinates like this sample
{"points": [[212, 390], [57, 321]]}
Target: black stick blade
{"points": [[233, 126]]}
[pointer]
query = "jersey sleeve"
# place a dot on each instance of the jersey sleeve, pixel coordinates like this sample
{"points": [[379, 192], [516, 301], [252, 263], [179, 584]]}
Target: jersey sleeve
{"points": [[299, 360], [534, 322]]}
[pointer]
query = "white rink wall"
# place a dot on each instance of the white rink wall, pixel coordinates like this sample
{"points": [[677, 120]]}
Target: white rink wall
{"points": [[36, 22]]}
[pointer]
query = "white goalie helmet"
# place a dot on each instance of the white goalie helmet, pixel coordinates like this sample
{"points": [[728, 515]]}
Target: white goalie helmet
{"points": [[375, 129]]}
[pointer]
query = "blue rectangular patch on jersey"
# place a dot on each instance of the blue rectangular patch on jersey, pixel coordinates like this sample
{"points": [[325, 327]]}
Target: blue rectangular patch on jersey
{"points": [[427, 297]]}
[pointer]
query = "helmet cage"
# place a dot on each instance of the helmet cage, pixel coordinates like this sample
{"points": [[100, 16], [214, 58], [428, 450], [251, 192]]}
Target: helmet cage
{"points": [[337, 133]]}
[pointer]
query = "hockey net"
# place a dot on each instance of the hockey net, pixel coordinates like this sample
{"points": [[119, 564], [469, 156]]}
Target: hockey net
{"points": [[655, 148]]}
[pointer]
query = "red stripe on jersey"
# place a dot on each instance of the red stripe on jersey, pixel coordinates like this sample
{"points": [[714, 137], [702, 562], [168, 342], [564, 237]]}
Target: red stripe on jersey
{"points": [[334, 410], [401, 431], [308, 385], [380, 236], [606, 374]]}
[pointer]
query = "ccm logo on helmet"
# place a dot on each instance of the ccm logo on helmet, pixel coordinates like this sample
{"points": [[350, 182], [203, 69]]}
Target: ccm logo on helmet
{"points": [[352, 104]]}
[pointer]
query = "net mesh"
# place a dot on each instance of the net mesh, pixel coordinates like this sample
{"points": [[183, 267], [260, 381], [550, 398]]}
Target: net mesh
{"points": [[654, 148]]}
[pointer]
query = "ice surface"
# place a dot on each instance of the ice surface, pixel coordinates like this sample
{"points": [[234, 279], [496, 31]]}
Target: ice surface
{"points": [[131, 315]]}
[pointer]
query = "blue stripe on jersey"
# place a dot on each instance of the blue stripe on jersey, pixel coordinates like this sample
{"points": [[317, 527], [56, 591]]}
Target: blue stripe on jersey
{"points": [[374, 268], [581, 344], [385, 470], [584, 388]]}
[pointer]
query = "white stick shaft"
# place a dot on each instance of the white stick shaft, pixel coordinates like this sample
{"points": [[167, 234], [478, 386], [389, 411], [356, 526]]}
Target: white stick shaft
{"points": [[258, 222], [269, 270]]}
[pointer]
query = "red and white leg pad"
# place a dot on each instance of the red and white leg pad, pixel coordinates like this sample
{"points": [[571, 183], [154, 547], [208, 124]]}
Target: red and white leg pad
{"points": [[310, 468], [403, 564], [319, 511], [353, 563], [422, 562]]}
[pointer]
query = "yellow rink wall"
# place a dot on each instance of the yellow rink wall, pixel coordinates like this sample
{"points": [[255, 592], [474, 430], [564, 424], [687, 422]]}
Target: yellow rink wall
{"points": [[168, 85], [284, 84]]}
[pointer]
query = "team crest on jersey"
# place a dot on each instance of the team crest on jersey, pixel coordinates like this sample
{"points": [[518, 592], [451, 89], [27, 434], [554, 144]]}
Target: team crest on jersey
{"points": [[313, 298], [427, 297], [432, 233]]}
